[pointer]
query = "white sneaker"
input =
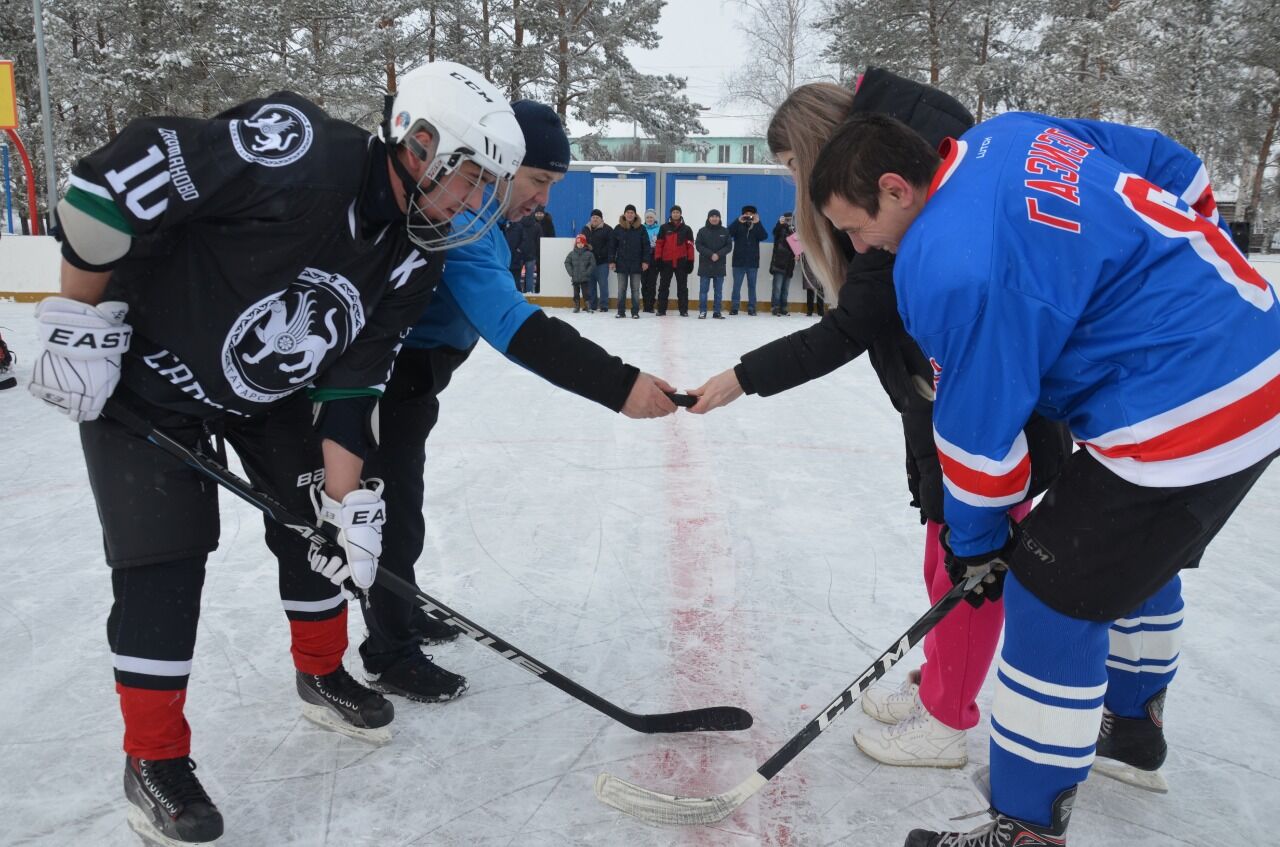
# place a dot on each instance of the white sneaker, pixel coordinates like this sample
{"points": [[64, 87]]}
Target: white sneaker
{"points": [[920, 741], [890, 705]]}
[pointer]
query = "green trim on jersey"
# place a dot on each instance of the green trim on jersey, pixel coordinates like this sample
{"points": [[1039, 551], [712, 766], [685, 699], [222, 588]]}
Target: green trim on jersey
{"points": [[99, 208], [324, 395]]}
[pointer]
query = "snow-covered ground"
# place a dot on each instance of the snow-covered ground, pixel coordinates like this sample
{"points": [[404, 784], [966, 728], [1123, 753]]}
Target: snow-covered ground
{"points": [[760, 556]]}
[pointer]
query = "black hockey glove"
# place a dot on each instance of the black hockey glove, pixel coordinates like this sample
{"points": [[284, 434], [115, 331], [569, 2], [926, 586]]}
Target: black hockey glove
{"points": [[991, 566]]}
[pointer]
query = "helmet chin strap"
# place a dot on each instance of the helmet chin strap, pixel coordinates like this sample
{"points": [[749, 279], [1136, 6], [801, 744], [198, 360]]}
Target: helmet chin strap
{"points": [[412, 186]]}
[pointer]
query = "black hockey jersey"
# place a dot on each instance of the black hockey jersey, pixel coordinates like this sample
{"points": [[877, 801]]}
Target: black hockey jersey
{"points": [[256, 268]]}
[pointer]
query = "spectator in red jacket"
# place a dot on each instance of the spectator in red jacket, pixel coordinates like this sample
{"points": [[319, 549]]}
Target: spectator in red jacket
{"points": [[673, 253]]}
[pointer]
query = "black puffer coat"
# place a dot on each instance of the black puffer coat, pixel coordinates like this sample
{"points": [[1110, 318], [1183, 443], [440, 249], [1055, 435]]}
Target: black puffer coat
{"points": [[630, 248], [784, 259], [599, 240], [713, 240]]}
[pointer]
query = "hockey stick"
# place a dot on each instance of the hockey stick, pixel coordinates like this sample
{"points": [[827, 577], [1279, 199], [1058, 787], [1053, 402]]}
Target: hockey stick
{"points": [[714, 718], [656, 807]]}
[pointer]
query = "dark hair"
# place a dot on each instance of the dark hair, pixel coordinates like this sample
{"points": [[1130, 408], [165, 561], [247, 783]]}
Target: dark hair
{"points": [[864, 148]]}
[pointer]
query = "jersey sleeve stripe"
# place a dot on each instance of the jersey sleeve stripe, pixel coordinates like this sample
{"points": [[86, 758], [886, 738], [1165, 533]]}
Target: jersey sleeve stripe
{"points": [[1199, 195], [89, 187], [101, 209], [981, 481]]}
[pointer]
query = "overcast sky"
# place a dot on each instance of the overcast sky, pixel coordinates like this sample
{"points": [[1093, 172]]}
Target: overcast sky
{"points": [[700, 42]]}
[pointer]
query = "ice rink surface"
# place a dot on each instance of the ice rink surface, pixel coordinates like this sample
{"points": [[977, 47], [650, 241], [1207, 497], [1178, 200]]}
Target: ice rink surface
{"points": [[760, 556]]}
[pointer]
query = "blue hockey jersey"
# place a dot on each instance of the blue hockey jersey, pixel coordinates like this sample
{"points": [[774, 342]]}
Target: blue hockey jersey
{"points": [[1078, 269], [476, 297]]}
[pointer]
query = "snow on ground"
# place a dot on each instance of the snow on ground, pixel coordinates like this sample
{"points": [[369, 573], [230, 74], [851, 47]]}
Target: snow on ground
{"points": [[760, 556]]}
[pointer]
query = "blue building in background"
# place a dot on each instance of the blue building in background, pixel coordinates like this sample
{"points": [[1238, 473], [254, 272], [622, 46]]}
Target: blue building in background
{"points": [[695, 187]]}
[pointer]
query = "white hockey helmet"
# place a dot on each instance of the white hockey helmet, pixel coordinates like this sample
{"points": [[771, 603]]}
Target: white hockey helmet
{"points": [[471, 121]]}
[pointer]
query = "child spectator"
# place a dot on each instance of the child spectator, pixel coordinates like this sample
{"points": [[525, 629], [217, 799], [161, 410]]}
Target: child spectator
{"points": [[581, 265]]}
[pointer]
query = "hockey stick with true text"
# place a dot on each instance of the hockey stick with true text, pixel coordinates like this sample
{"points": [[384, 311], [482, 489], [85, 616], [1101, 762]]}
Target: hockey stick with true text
{"points": [[656, 807], [713, 718]]}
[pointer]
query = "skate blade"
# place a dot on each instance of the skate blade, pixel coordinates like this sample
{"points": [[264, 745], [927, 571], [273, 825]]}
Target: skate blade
{"points": [[325, 719], [1146, 780], [141, 824]]}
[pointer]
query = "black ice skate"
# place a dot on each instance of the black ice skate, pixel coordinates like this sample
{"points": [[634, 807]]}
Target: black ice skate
{"points": [[1005, 831], [1133, 749], [428, 630], [418, 678], [169, 805], [336, 701]]}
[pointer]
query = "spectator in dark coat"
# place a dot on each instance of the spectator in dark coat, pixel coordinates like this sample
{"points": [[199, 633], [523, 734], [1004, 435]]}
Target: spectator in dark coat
{"points": [[530, 252], [629, 256], [543, 217], [783, 263], [747, 233], [513, 231], [599, 234], [813, 300], [673, 253], [713, 245]]}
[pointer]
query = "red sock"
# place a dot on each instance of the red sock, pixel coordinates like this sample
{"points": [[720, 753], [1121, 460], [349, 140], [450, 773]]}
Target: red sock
{"points": [[318, 646], [154, 726]]}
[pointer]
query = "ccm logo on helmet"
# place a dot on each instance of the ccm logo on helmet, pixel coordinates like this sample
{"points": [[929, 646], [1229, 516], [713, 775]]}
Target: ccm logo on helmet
{"points": [[469, 84]]}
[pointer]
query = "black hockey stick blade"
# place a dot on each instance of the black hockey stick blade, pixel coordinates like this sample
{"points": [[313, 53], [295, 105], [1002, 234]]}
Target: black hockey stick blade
{"points": [[8, 382], [712, 718], [657, 807]]}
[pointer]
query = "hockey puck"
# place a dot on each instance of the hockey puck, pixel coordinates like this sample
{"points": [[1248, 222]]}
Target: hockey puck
{"points": [[9, 382], [681, 399]]}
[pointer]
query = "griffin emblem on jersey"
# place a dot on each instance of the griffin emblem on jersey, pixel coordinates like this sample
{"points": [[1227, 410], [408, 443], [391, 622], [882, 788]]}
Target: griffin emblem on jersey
{"points": [[276, 135], [279, 344]]}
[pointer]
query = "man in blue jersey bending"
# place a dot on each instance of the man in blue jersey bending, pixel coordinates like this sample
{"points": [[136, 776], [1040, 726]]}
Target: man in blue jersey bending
{"points": [[1079, 270], [476, 298]]}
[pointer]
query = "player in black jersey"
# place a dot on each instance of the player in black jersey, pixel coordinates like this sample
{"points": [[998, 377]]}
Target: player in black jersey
{"points": [[476, 299], [268, 250]]}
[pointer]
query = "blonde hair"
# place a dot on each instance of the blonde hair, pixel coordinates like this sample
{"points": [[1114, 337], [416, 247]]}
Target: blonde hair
{"points": [[802, 125]]}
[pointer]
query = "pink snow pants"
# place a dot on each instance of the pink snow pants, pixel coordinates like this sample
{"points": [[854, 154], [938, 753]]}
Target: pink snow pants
{"points": [[959, 650]]}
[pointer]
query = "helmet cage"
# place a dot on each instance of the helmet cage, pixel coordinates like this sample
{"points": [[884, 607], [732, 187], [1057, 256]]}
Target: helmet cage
{"points": [[437, 235]]}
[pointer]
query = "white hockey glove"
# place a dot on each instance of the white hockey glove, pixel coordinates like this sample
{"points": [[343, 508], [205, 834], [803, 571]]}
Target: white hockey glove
{"points": [[356, 525], [80, 364]]}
